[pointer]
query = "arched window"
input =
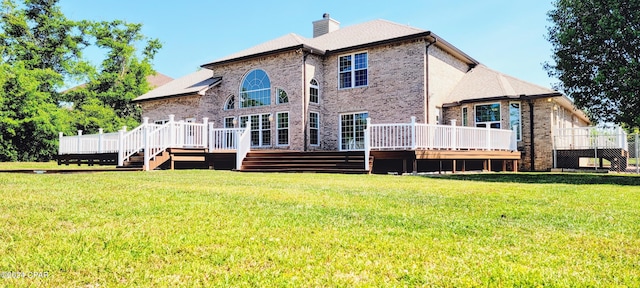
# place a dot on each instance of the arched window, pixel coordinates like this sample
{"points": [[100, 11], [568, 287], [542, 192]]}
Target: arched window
{"points": [[282, 96], [230, 104], [255, 89], [314, 91]]}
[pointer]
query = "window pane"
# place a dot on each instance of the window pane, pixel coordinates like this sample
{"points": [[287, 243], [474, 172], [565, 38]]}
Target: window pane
{"points": [[514, 119], [345, 63], [361, 78], [345, 80], [465, 121], [314, 125], [488, 113], [361, 61], [283, 128], [282, 96], [255, 89]]}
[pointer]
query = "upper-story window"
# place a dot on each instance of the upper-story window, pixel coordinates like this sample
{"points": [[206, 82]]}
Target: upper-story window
{"points": [[230, 104], [255, 89], [488, 115], [282, 96], [353, 70], [314, 91]]}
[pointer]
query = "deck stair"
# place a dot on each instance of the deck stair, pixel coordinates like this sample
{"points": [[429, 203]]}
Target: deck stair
{"points": [[351, 162], [168, 158]]}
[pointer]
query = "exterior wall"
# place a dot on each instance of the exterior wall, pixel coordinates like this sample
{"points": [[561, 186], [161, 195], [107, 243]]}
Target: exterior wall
{"points": [[284, 71], [395, 90], [546, 116], [182, 107], [444, 71], [315, 70]]}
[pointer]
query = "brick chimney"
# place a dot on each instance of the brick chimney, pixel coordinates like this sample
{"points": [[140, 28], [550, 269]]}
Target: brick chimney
{"points": [[324, 26]]}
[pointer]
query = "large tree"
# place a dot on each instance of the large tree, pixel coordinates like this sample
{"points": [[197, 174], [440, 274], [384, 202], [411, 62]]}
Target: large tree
{"points": [[596, 45], [39, 49]]}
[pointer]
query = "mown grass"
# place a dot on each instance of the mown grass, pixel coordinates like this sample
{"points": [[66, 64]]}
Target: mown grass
{"points": [[215, 228]]}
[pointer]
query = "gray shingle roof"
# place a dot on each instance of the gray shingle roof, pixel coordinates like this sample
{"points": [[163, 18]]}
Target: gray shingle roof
{"points": [[193, 83], [484, 83], [367, 33]]}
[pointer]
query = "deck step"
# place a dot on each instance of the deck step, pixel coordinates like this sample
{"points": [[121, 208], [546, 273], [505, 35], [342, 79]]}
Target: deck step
{"points": [[317, 162]]}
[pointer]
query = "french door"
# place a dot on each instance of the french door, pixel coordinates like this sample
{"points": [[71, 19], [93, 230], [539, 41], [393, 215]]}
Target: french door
{"points": [[352, 130]]}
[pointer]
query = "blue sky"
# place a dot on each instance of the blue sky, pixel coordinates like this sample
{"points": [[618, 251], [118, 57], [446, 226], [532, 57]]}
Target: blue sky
{"points": [[505, 35]]}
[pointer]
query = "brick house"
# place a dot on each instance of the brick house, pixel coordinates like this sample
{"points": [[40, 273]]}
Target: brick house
{"points": [[313, 94]]}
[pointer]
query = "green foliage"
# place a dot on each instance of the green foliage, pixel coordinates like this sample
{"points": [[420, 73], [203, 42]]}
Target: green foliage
{"points": [[39, 49], [597, 56], [225, 229]]}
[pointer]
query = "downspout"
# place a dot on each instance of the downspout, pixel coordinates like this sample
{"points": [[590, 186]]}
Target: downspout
{"points": [[305, 101], [532, 146], [426, 78]]}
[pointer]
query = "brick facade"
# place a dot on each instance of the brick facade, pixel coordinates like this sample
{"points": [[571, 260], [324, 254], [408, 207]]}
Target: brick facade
{"points": [[545, 119], [396, 90]]}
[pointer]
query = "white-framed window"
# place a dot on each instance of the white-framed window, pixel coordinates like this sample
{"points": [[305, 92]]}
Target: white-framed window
{"points": [[260, 129], [314, 92], [255, 89], [314, 128], [161, 122], [352, 127], [465, 116], [353, 70], [282, 128], [282, 97], [488, 115], [515, 122], [230, 104], [228, 122]]}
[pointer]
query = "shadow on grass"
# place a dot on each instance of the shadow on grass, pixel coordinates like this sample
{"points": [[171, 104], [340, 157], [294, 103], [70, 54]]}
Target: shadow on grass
{"points": [[540, 178]]}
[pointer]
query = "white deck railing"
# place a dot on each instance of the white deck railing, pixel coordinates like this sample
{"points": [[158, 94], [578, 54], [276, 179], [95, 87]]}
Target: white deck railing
{"points": [[590, 138], [88, 144], [411, 136], [224, 138], [155, 138]]}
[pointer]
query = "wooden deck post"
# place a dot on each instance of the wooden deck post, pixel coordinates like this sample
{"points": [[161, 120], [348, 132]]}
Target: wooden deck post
{"points": [[515, 165], [454, 166]]}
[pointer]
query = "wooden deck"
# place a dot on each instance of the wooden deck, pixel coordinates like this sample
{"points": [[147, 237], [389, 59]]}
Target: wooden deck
{"points": [[444, 160], [380, 162]]}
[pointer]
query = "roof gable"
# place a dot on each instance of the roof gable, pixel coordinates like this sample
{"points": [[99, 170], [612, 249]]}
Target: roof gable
{"points": [[483, 83], [357, 36], [193, 83]]}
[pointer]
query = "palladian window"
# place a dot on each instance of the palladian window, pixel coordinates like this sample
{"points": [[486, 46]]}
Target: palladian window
{"points": [[255, 90]]}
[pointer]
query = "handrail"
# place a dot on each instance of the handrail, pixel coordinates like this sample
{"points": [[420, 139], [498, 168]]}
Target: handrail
{"points": [[411, 136], [590, 138], [244, 145]]}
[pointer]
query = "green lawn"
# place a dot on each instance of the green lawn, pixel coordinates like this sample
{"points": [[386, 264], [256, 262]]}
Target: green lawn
{"points": [[218, 228]]}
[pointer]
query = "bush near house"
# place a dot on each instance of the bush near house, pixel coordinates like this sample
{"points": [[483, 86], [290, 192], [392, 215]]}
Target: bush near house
{"points": [[203, 228]]}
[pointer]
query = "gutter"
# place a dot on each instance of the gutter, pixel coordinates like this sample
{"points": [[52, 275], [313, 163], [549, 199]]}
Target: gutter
{"points": [[531, 135]]}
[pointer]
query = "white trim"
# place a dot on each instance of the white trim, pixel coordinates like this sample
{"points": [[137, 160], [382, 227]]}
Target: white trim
{"points": [[244, 77], [318, 128], [316, 87], [260, 130], [278, 129], [226, 102], [465, 118], [340, 129], [475, 123], [353, 70], [518, 137]]}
